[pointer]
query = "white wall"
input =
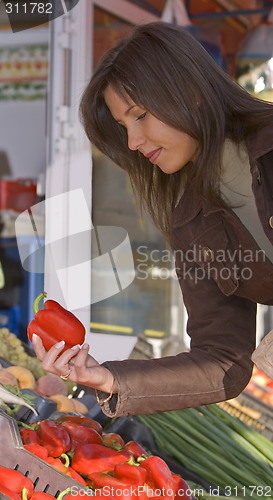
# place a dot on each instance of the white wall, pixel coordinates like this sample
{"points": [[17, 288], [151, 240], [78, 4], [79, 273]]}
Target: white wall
{"points": [[23, 137]]}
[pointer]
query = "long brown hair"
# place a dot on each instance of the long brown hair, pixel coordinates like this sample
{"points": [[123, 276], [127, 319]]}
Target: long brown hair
{"points": [[164, 69]]}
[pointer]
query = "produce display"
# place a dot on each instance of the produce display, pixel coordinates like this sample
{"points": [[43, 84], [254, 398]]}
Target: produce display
{"points": [[223, 450], [228, 457], [100, 463], [261, 386], [13, 351]]}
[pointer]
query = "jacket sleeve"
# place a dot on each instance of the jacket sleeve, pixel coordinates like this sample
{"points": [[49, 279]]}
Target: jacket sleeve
{"points": [[217, 367]]}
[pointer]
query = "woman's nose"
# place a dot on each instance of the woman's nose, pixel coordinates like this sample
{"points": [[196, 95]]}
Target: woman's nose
{"points": [[135, 140]]}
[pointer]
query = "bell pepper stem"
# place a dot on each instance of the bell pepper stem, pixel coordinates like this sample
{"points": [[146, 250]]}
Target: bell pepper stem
{"points": [[24, 493], [65, 457], [63, 493], [33, 426], [37, 301]]}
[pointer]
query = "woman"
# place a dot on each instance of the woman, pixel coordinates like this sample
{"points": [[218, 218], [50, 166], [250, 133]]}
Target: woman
{"points": [[199, 152]]}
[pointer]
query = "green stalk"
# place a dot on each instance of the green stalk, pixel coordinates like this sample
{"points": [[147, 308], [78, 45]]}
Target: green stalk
{"points": [[169, 445], [234, 444], [224, 439], [258, 440], [196, 461], [215, 476], [36, 303], [247, 444], [209, 444], [241, 473]]}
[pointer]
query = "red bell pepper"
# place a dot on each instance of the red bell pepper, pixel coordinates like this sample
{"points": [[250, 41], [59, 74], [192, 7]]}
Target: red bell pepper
{"points": [[113, 440], [75, 475], [134, 474], [54, 437], [119, 488], [9, 493], [15, 480], [38, 495], [90, 458], [159, 476], [84, 421], [29, 436], [103, 479], [136, 449], [79, 494], [79, 434], [41, 495], [53, 323], [37, 449], [127, 454], [182, 490], [58, 464]]}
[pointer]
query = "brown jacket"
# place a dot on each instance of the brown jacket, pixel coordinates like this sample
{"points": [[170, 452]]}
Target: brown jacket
{"points": [[223, 275]]}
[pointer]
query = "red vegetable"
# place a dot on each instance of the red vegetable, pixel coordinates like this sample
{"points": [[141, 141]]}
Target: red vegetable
{"points": [[89, 458], [54, 437], [119, 488], [38, 495], [102, 479], [79, 434], [182, 490], [37, 449], [29, 436], [102, 494], [135, 449], [75, 475], [84, 421], [113, 440], [134, 474], [58, 464], [9, 493], [159, 476], [53, 323], [127, 454], [15, 480]]}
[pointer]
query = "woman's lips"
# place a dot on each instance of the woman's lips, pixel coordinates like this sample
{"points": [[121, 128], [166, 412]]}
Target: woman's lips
{"points": [[153, 155]]}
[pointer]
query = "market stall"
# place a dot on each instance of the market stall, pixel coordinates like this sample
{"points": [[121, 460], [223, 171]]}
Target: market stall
{"points": [[54, 434], [55, 441]]}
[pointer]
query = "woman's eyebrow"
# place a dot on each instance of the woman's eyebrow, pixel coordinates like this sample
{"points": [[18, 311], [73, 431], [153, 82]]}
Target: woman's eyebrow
{"points": [[129, 109]]}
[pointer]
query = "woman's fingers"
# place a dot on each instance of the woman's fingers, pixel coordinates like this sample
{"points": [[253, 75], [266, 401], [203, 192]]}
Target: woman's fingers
{"points": [[38, 347], [75, 362]]}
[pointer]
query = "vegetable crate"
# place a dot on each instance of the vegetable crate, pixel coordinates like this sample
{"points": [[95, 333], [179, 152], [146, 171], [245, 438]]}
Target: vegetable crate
{"points": [[253, 412], [14, 456]]}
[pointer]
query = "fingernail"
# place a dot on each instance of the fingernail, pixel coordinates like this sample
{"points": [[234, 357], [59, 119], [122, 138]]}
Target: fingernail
{"points": [[75, 347], [34, 337], [85, 346], [59, 344]]}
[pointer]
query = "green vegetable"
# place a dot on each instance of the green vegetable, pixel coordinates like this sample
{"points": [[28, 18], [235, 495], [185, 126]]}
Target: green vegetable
{"points": [[219, 448]]}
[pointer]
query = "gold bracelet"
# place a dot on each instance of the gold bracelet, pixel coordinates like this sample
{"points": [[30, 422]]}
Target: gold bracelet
{"points": [[105, 400]]}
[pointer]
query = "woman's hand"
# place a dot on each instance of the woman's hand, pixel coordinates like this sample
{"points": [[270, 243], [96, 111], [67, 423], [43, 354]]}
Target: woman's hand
{"points": [[74, 364]]}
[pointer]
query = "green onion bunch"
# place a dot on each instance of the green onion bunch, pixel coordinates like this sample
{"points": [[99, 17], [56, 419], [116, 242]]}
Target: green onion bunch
{"points": [[218, 447]]}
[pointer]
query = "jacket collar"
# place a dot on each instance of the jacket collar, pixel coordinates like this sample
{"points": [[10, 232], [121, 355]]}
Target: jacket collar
{"points": [[190, 204], [260, 144]]}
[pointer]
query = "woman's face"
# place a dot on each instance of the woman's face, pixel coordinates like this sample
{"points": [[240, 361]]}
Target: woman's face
{"points": [[165, 146]]}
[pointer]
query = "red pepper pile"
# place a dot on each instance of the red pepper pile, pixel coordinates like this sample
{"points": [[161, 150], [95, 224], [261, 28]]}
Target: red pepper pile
{"points": [[102, 461]]}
